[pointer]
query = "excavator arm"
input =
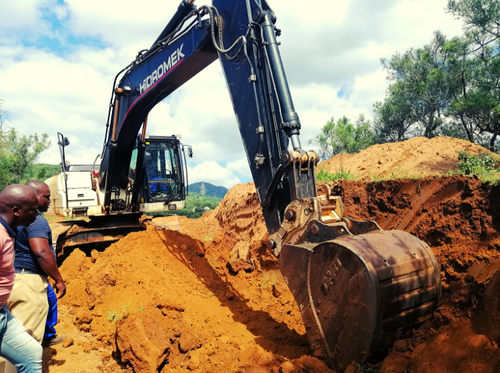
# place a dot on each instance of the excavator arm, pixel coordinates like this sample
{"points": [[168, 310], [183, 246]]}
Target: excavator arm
{"points": [[352, 280], [256, 81]]}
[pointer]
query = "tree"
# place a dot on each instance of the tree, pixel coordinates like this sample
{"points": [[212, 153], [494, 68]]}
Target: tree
{"points": [[477, 108], [424, 84], [18, 152], [3, 114], [449, 86], [481, 19], [344, 137], [394, 116], [5, 156], [472, 113]]}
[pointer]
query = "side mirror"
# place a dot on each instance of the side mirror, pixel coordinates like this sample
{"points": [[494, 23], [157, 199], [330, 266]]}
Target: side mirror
{"points": [[66, 141], [190, 151]]}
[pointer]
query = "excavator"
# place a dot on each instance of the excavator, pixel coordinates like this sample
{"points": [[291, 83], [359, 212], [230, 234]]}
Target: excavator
{"points": [[157, 175], [162, 187], [353, 281]]}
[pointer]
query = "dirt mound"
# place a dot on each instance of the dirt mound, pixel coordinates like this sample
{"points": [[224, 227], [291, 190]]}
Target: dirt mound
{"points": [[418, 156], [168, 301], [208, 296]]}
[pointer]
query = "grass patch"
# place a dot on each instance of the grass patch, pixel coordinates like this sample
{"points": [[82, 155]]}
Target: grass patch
{"points": [[324, 176], [398, 173], [267, 281], [491, 179], [485, 166], [480, 164], [114, 316]]}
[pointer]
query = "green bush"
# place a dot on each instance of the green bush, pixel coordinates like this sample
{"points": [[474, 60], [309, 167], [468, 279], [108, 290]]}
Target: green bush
{"points": [[480, 164], [324, 176], [195, 206]]}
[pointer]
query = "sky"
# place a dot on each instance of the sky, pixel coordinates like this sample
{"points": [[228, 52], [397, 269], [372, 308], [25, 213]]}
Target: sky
{"points": [[58, 60]]}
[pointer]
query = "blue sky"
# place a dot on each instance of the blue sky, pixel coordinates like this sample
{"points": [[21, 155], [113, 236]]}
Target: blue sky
{"points": [[58, 59]]}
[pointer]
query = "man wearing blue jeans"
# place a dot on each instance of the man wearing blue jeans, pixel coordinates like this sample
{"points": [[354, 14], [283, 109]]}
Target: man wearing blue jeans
{"points": [[18, 207]]}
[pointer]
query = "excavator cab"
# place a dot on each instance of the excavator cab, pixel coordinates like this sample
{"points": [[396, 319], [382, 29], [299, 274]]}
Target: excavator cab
{"points": [[163, 180]]}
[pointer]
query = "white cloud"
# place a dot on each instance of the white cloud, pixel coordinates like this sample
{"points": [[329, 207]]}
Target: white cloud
{"points": [[326, 48], [20, 15], [211, 172], [240, 167]]}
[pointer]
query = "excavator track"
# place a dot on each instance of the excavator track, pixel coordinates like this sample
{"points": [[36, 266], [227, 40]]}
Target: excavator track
{"points": [[99, 233], [355, 287]]}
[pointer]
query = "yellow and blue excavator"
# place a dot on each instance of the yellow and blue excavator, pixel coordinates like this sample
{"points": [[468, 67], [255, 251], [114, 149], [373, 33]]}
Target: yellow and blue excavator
{"points": [[352, 280]]}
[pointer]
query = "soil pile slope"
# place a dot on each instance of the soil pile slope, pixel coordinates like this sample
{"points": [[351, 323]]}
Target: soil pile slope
{"points": [[209, 297], [418, 156]]}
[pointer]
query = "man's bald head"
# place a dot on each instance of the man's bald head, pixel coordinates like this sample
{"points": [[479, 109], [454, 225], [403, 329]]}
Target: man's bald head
{"points": [[18, 204], [16, 195], [37, 185], [42, 191]]}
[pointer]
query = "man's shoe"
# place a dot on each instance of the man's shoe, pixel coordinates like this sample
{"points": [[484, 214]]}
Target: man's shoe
{"points": [[53, 341]]}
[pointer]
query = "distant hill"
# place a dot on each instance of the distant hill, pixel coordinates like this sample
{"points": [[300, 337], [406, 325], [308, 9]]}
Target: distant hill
{"points": [[207, 189]]}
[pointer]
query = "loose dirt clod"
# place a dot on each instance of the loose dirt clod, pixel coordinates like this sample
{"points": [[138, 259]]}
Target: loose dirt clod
{"points": [[167, 301]]}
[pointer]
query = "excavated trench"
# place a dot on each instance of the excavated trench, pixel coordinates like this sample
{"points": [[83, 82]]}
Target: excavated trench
{"points": [[210, 298]]}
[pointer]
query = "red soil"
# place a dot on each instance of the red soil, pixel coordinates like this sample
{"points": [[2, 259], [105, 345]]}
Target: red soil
{"points": [[209, 297]]}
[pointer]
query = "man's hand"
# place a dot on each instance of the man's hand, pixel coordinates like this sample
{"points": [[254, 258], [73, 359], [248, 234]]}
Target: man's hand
{"points": [[60, 289]]}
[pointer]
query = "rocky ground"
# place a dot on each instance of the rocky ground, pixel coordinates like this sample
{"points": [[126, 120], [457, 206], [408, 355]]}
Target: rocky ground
{"points": [[208, 297]]}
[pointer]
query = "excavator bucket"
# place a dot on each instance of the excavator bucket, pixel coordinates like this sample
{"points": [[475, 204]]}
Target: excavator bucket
{"points": [[359, 285]]}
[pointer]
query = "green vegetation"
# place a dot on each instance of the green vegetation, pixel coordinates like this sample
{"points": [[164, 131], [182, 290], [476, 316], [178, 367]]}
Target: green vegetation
{"points": [[450, 87], [344, 137], [398, 173], [18, 153], [483, 165], [480, 18], [324, 176], [196, 205], [114, 316], [42, 172], [475, 164], [268, 281]]}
